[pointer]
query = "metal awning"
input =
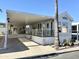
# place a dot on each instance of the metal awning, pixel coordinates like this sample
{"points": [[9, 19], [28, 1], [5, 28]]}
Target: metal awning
{"points": [[24, 18]]}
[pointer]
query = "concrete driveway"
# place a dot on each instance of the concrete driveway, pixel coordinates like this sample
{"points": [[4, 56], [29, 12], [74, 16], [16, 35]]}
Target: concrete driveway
{"points": [[14, 45]]}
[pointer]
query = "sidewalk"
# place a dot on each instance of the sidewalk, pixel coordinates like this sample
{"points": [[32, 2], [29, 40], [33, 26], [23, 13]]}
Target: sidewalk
{"points": [[71, 49], [34, 50]]}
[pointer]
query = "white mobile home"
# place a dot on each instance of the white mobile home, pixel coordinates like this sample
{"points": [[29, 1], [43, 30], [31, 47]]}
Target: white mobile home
{"points": [[38, 28]]}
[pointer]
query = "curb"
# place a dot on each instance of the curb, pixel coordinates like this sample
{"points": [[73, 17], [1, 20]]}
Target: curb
{"points": [[67, 51], [38, 56]]}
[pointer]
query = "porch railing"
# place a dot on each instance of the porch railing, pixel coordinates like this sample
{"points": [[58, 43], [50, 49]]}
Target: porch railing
{"points": [[42, 33]]}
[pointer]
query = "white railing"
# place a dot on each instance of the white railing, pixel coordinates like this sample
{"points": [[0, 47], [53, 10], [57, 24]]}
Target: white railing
{"points": [[43, 33]]}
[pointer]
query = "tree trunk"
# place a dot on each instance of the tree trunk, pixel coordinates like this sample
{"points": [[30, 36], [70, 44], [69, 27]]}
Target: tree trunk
{"points": [[56, 23]]}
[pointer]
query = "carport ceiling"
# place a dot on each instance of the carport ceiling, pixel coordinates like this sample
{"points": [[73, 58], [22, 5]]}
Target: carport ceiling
{"points": [[24, 18]]}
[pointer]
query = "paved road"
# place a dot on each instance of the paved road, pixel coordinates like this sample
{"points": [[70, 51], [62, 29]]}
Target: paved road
{"points": [[71, 55]]}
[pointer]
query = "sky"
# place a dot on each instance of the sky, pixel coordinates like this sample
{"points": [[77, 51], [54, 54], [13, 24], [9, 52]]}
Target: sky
{"points": [[40, 7]]}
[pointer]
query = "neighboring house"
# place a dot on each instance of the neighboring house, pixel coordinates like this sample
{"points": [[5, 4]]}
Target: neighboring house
{"points": [[75, 30], [40, 28], [2, 28]]}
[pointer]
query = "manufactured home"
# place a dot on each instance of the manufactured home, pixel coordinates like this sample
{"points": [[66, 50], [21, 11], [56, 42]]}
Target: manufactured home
{"points": [[37, 28]]}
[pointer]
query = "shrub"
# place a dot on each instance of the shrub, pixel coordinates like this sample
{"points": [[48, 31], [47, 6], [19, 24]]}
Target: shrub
{"points": [[66, 43], [72, 42]]}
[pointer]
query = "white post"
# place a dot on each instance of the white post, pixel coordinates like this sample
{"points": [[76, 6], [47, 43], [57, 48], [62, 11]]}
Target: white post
{"points": [[6, 34], [43, 25], [77, 31]]}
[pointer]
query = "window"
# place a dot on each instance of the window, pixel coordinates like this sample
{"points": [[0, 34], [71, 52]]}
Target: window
{"points": [[64, 17], [78, 28], [65, 26], [64, 29], [74, 29], [39, 26], [47, 25]]}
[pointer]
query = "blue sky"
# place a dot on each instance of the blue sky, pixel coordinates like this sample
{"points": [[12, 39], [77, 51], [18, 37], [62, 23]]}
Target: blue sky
{"points": [[41, 7]]}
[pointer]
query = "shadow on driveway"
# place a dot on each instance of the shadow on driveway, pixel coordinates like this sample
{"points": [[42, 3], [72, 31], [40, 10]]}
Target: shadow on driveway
{"points": [[14, 45]]}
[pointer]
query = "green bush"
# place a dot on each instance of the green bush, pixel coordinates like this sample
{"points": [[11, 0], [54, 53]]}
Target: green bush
{"points": [[72, 42], [66, 43]]}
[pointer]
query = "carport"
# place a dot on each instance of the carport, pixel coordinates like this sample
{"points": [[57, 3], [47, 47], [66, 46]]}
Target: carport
{"points": [[19, 20]]}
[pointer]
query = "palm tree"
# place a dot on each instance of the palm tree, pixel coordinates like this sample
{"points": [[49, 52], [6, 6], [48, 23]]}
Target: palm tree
{"points": [[56, 33]]}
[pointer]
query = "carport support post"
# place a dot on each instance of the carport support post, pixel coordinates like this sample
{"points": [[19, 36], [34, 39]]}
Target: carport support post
{"points": [[77, 31], [6, 35], [43, 25]]}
